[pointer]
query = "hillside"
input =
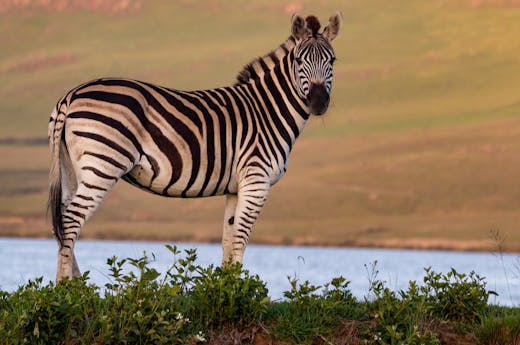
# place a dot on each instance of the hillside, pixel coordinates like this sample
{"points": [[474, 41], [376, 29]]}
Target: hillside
{"points": [[419, 147]]}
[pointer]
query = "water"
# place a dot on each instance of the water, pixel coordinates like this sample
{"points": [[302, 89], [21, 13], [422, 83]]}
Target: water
{"points": [[24, 259]]}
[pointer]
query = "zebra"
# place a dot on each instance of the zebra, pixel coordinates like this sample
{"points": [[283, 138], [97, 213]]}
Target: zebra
{"points": [[233, 141]]}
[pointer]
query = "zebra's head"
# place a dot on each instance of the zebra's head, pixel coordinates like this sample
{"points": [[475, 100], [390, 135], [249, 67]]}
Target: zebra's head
{"points": [[313, 60]]}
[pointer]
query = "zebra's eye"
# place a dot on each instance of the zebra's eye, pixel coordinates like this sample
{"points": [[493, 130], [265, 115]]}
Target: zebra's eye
{"points": [[298, 60], [332, 60]]}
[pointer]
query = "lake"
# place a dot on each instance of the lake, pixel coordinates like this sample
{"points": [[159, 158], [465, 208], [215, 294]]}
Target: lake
{"points": [[24, 259]]}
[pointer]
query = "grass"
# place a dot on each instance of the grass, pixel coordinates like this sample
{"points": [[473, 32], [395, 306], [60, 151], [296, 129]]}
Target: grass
{"points": [[419, 148], [190, 304]]}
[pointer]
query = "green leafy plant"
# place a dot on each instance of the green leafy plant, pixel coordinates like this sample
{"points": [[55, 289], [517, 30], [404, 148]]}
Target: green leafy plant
{"points": [[456, 296], [228, 295], [47, 314], [400, 317], [306, 313]]}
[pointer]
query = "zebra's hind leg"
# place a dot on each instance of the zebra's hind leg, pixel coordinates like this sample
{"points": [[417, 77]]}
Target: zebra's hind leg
{"points": [[75, 267], [83, 203]]}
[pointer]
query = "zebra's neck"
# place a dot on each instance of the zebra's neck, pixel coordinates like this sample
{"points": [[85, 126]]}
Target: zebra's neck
{"points": [[272, 75]]}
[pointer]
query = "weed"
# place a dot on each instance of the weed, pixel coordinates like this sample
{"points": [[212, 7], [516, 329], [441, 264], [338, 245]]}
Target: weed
{"points": [[499, 326], [306, 314]]}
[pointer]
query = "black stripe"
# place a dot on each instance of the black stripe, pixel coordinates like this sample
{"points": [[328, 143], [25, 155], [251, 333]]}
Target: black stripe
{"points": [[244, 231], [106, 159], [233, 122], [210, 136], [100, 173], [241, 105], [278, 96], [223, 119], [287, 86], [250, 117], [76, 213], [75, 204], [171, 97], [265, 125], [91, 186], [107, 142], [88, 198], [128, 178], [250, 222], [278, 103], [273, 57]]}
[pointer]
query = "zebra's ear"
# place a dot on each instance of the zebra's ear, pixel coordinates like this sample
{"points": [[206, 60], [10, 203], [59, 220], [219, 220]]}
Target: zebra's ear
{"points": [[298, 27], [332, 29]]}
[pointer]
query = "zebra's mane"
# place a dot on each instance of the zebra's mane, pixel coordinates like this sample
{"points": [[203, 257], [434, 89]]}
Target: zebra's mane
{"points": [[257, 68]]}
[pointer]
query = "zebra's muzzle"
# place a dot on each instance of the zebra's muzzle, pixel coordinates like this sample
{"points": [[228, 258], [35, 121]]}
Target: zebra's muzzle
{"points": [[318, 99]]}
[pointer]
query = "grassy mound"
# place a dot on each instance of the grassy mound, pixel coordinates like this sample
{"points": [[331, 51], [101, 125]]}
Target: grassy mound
{"points": [[190, 304]]}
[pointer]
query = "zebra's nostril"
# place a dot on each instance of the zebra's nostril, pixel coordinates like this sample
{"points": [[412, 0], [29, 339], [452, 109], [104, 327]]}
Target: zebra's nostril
{"points": [[318, 99]]}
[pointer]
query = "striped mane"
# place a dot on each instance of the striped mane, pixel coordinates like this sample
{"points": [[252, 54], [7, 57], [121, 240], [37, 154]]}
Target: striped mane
{"points": [[257, 68]]}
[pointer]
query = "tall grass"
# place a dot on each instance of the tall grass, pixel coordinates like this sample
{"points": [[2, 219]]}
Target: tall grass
{"points": [[191, 304]]}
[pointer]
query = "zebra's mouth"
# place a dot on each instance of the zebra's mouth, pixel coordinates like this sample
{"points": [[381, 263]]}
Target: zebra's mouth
{"points": [[318, 99]]}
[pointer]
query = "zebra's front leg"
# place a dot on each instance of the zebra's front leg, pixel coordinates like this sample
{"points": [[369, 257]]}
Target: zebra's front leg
{"points": [[229, 221], [252, 195]]}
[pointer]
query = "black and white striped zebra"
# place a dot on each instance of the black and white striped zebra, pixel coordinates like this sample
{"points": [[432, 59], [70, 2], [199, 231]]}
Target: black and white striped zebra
{"points": [[232, 141]]}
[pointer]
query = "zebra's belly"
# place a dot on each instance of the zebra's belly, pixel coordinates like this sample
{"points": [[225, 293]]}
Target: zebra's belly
{"points": [[176, 184]]}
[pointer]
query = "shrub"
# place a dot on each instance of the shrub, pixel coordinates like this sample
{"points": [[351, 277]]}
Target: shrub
{"points": [[139, 308], [400, 318], [38, 314], [307, 314], [405, 317], [227, 295], [456, 296]]}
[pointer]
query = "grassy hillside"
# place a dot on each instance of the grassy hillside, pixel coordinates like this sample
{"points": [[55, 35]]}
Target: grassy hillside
{"points": [[419, 148]]}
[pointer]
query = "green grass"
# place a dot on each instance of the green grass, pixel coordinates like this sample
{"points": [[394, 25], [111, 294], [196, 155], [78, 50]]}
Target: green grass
{"points": [[420, 142], [500, 326], [190, 304]]}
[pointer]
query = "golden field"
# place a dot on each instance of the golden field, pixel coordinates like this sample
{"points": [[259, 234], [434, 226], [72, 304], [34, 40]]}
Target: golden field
{"points": [[420, 147]]}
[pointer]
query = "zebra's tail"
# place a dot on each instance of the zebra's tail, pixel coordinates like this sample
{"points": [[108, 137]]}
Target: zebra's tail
{"points": [[55, 133]]}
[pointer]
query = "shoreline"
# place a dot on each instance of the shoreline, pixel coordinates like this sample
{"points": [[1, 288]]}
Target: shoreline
{"points": [[391, 243]]}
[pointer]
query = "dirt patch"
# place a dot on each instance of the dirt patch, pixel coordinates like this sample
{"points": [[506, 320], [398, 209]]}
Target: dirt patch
{"points": [[346, 332], [428, 244], [448, 335], [255, 334], [29, 141], [42, 62], [106, 6], [22, 182], [494, 3], [11, 220]]}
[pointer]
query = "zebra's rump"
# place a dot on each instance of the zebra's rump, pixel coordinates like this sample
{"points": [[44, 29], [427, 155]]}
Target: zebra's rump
{"points": [[168, 142]]}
